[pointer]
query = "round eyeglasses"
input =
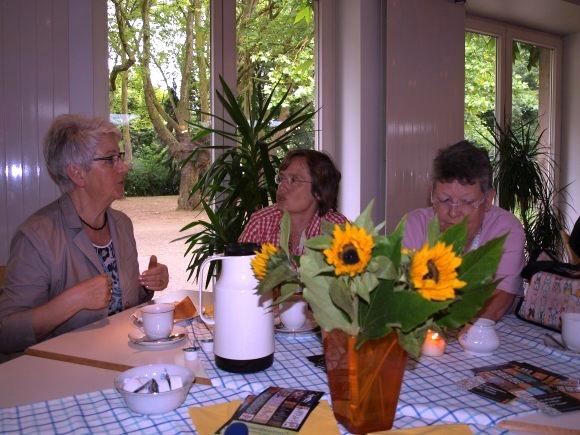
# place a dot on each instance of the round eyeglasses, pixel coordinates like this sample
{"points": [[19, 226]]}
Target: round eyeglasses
{"points": [[289, 179], [463, 205]]}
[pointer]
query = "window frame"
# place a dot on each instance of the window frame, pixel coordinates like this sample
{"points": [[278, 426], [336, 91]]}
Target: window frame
{"points": [[506, 34]]}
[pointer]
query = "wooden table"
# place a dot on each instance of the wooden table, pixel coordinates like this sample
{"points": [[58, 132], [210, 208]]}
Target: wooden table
{"points": [[105, 344], [28, 379]]}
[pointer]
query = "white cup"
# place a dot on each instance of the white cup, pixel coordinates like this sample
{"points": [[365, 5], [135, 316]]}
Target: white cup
{"points": [[158, 320], [293, 312], [479, 337], [571, 331]]}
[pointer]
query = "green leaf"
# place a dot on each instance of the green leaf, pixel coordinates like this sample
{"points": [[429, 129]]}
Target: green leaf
{"points": [[412, 342], [275, 277], [481, 264], [342, 298], [319, 242], [391, 245], [433, 231], [463, 310], [383, 268], [404, 309], [456, 236], [365, 220]]}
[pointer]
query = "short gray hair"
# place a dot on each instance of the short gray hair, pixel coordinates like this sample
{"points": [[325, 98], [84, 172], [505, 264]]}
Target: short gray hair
{"points": [[73, 139]]}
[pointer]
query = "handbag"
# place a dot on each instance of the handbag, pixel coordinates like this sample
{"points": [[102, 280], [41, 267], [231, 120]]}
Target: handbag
{"points": [[547, 296]]}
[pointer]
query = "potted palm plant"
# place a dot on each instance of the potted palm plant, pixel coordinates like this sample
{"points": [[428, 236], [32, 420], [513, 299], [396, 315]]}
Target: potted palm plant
{"points": [[522, 178], [240, 180]]}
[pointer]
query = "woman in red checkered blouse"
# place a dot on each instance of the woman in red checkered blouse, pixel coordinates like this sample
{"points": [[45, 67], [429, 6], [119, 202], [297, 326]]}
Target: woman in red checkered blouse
{"points": [[308, 185]]}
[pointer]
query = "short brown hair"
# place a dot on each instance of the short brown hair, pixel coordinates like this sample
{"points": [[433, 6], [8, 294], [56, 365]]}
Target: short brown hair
{"points": [[325, 177], [465, 163]]}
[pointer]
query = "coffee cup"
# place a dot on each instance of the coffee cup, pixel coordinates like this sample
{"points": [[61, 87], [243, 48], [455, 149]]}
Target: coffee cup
{"points": [[479, 337], [293, 312], [157, 320], [571, 331]]}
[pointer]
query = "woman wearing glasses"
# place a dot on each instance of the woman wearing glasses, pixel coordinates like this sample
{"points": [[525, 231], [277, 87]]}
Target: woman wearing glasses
{"points": [[308, 185], [75, 261], [462, 188]]}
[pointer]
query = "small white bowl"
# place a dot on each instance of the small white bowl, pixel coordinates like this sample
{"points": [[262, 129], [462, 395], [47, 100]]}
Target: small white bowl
{"points": [[155, 403]]}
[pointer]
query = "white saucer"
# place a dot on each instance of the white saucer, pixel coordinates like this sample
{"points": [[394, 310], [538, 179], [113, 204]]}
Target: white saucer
{"points": [[309, 326], [136, 334]]}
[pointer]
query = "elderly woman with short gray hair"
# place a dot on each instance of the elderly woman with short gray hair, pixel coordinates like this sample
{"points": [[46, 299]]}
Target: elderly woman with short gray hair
{"points": [[74, 261]]}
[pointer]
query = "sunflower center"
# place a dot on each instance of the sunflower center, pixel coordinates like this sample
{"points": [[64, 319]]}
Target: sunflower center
{"points": [[350, 255], [433, 272]]}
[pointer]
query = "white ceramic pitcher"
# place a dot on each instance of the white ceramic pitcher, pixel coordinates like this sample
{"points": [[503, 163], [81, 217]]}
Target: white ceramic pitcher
{"points": [[244, 324]]}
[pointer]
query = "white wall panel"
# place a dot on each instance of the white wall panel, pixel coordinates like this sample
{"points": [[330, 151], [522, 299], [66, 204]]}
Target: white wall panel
{"points": [[570, 149], [53, 60], [424, 93]]}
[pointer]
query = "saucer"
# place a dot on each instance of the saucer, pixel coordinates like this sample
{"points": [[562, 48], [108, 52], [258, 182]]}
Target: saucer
{"points": [[550, 340], [309, 326], [136, 334]]}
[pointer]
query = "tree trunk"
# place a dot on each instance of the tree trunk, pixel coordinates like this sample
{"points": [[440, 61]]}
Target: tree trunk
{"points": [[125, 130]]}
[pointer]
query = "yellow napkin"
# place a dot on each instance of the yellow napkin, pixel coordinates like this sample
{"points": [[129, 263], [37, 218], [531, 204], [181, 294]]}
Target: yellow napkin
{"points": [[443, 429], [210, 418]]}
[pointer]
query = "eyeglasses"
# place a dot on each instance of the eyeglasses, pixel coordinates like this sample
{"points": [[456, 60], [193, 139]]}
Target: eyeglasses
{"points": [[111, 160], [463, 205], [290, 179]]}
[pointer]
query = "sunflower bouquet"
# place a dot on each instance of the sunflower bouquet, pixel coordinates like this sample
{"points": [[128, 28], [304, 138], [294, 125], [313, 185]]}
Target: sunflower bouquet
{"points": [[367, 284]]}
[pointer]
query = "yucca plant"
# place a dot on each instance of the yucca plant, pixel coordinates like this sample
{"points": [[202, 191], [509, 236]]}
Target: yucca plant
{"points": [[241, 178], [522, 179]]}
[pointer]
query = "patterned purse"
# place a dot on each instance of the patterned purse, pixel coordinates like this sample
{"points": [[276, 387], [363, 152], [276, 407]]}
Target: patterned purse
{"points": [[547, 297]]}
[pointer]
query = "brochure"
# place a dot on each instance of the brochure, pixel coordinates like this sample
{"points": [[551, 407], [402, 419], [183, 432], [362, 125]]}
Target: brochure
{"points": [[540, 388], [275, 410]]}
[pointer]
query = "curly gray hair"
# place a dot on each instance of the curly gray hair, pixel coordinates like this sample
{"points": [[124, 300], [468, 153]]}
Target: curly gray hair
{"points": [[72, 139]]}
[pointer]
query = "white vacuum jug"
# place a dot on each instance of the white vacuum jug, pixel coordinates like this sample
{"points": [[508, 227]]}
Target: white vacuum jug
{"points": [[244, 324]]}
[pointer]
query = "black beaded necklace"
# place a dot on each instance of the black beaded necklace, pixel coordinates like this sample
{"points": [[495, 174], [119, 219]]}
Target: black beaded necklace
{"points": [[94, 228]]}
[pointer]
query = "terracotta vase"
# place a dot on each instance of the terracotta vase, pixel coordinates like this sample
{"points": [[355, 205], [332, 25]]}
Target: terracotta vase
{"points": [[364, 383]]}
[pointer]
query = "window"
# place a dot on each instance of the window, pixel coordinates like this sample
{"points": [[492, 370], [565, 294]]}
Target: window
{"points": [[511, 76]]}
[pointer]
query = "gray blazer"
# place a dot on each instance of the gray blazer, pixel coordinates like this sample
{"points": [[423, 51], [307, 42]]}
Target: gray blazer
{"points": [[50, 253]]}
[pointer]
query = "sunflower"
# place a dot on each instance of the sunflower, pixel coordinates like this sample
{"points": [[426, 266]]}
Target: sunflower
{"points": [[434, 272], [260, 261], [350, 251]]}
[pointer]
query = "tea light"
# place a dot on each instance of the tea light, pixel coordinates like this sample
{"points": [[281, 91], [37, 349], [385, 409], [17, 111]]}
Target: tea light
{"points": [[434, 344]]}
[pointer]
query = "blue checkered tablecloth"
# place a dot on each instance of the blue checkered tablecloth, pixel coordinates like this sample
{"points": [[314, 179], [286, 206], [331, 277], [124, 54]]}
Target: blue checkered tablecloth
{"points": [[105, 412], [429, 394], [429, 391]]}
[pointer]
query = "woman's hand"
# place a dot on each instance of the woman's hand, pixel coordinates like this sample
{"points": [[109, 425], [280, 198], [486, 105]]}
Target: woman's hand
{"points": [[93, 293], [156, 277], [90, 294]]}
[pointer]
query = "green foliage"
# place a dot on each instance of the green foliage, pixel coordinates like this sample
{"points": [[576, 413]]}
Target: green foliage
{"points": [[480, 84], [241, 178], [151, 174], [522, 178]]}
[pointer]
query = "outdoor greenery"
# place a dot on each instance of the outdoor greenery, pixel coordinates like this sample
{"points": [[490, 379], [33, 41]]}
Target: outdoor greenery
{"points": [[159, 58], [480, 84]]}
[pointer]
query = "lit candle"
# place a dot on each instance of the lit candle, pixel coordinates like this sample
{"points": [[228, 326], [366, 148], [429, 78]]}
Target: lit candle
{"points": [[434, 344]]}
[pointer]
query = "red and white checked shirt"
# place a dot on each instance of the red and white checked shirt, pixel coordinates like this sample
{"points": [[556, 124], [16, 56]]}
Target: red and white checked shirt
{"points": [[264, 226]]}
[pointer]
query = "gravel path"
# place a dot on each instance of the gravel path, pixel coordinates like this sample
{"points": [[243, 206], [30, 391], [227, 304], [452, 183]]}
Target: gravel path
{"points": [[156, 223]]}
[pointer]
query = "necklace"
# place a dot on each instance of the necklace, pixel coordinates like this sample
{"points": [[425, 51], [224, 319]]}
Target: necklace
{"points": [[94, 228]]}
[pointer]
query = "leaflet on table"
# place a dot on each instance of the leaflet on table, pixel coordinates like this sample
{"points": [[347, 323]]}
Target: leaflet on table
{"points": [[275, 410], [538, 387]]}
